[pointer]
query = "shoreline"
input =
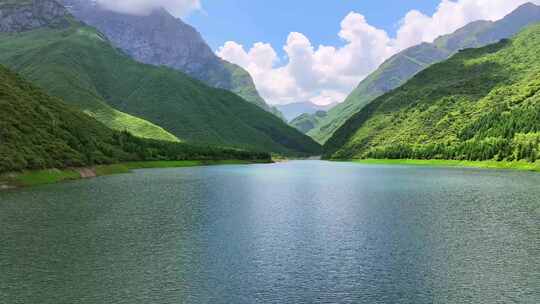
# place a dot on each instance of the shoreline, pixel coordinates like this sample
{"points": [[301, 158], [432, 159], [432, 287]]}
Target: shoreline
{"points": [[30, 178], [500, 165]]}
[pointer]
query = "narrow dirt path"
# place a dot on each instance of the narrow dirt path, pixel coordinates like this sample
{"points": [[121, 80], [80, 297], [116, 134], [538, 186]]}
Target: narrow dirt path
{"points": [[87, 172]]}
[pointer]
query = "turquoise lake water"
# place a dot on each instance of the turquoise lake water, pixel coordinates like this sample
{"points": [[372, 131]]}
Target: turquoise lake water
{"points": [[295, 232]]}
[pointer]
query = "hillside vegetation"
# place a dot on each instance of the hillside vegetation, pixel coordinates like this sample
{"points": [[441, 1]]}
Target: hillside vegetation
{"points": [[404, 65], [306, 122], [160, 38], [38, 131], [482, 104], [78, 64]]}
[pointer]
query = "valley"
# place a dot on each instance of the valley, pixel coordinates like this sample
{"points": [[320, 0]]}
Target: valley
{"points": [[169, 152]]}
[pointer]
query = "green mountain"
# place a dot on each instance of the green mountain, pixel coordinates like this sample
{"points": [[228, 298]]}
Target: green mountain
{"points": [[19, 16], [404, 65], [481, 104], [38, 131], [161, 39], [306, 122], [77, 63]]}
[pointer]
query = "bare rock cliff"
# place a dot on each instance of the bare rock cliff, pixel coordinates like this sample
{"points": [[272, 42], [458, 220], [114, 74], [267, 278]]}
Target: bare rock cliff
{"points": [[25, 15]]}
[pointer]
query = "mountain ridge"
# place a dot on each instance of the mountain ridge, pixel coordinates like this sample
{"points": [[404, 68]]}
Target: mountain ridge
{"points": [[162, 39], [293, 110], [306, 122], [79, 65], [402, 66], [481, 104], [24, 15], [28, 15]]}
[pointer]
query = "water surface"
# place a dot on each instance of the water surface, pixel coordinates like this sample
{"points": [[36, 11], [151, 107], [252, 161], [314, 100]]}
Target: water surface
{"points": [[297, 232]]}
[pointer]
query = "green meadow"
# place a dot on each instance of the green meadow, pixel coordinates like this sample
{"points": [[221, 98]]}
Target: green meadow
{"points": [[521, 165]]}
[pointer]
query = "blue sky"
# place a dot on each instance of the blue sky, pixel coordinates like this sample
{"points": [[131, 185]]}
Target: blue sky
{"points": [[250, 21], [317, 50]]}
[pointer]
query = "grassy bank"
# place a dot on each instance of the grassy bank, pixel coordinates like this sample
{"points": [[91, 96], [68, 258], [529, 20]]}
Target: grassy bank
{"points": [[524, 166], [51, 176]]}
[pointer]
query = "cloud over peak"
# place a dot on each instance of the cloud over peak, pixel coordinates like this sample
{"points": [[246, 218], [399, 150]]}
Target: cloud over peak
{"points": [[178, 8], [326, 74]]}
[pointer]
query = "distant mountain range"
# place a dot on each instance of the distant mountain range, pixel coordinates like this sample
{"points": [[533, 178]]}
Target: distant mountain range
{"points": [[162, 39], [404, 65], [306, 122], [293, 110], [77, 63], [481, 104], [87, 98]]}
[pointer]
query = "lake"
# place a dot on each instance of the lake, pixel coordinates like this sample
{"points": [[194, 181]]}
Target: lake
{"points": [[294, 232]]}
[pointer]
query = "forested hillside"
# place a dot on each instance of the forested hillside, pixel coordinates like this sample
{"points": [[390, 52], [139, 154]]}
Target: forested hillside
{"points": [[481, 104], [404, 65], [306, 122], [78, 64], [38, 131]]}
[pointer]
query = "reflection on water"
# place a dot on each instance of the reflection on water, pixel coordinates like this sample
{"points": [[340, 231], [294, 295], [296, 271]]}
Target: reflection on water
{"points": [[297, 232]]}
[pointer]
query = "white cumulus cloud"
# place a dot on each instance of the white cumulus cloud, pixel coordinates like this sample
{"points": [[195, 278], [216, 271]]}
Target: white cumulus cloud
{"points": [[326, 74], [450, 16], [178, 8]]}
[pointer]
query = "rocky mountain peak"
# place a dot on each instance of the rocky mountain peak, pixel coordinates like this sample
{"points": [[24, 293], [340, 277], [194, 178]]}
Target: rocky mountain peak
{"points": [[25, 15], [525, 9], [159, 38]]}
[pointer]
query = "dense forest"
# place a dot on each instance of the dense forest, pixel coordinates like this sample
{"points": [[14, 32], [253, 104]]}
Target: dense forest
{"points": [[38, 131], [482, 104]]}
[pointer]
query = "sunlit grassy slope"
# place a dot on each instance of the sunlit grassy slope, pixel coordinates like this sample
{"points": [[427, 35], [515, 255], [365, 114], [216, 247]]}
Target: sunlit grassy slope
{"points": [[499, 165], [482, 104], [124, 122]]}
